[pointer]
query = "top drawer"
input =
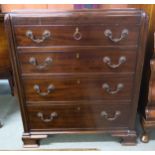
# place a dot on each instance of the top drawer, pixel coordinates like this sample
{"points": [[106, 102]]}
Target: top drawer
{"points": [[79, 35]]}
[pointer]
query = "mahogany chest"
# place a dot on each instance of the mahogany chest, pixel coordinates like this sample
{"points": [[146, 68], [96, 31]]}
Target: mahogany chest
{"points": [[77, 71]]}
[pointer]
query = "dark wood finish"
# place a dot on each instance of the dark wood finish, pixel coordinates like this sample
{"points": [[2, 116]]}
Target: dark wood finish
{"points": [[128, 140], [79, 116], [64, 35], [32, 140], [5, 65], [148, 119], [77, 60], [72, 17], [70, 88], [80, 87]]}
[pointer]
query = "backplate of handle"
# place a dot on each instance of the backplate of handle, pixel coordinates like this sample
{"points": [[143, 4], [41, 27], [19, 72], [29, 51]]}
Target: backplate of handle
{"points": [[110, 118], [45, 35], [46, 63], [107, 88], [46, 120], [50, 88], [107, 60], [108, 33]]}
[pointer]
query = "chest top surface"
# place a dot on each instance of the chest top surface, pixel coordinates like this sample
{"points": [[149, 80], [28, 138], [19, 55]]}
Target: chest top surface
{"points": [[46, 17]]}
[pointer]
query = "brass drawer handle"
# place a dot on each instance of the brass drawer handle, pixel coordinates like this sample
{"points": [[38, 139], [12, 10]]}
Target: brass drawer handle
{"points": [[107, 61], [50, 119], [108, 33], [107, 88], [50, 88], [105, 115], [47, 62], [77, 35], [45, 35]]}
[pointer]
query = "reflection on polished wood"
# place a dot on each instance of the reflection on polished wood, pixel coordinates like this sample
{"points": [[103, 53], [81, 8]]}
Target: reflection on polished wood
{"points": [[78, 93]]}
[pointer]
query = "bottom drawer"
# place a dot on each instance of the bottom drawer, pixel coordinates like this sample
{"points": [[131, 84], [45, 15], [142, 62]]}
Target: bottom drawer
{"points": [[52, 117]]}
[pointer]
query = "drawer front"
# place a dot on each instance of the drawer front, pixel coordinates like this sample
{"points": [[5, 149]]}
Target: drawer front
{"points": [[78, 116], [108, 35], [69, 88], [78, 60]]}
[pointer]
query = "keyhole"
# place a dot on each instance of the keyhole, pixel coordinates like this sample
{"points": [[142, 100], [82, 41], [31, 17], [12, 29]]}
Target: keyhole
{"points": [[78, 108], [77, 55], [78, 81]]}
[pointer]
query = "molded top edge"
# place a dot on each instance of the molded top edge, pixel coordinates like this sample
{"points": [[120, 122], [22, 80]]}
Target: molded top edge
{"points": [[44, 11]]}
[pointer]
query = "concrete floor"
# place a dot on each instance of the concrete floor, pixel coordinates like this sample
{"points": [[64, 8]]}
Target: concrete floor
{"points": [[11, 132]]}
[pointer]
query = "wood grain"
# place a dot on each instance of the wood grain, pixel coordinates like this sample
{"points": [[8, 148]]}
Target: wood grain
{"points": [[78, 75], [63, 35], [80, 116], [77, 60], [68, 88]]}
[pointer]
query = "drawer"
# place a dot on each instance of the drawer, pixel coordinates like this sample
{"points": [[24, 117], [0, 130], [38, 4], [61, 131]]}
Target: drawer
{"points": [[95, 116], [104, 35], [77, 60], [69, 88]]}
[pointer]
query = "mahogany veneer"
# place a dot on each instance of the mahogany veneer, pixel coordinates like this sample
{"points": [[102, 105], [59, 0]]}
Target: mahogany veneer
{"points": [[78, 71]]}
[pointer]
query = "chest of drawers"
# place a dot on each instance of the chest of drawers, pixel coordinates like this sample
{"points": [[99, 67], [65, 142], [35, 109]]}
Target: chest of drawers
{"points": [[77, 71]]}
